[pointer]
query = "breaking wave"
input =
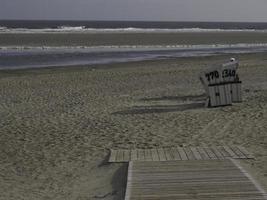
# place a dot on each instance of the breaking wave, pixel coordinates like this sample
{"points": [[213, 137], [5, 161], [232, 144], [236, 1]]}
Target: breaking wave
{"points": [[138, 47], [77, 29]]}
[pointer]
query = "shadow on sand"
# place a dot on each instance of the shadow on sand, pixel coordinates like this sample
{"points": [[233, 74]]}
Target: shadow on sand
{"points": [[160, 108], [119, 182], [197, 101], [200, 97]]}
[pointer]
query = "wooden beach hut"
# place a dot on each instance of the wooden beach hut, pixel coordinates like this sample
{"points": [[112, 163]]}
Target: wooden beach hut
{"points": [[222, 84]]}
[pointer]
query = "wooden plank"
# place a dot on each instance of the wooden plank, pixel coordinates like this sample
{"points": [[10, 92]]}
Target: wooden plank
{"points": [[175, 153], [155, 156], [217, 95], [189, 153], [232, 154], [218, 154], [126, 155], [210, 153], [133, 155], [182, 153], [161, 154], [245, 152], [236, 89], [168, 154], [212, 96], [203, 153], [237, 152], [141, 154], [222, 95], [129, 181], [148, 155], [191, 179], [234, 92], [228, 96], [231, 91], [112, 156], [179, 153], [253, 181], [224, 152], [119, 157], [196, 153]]}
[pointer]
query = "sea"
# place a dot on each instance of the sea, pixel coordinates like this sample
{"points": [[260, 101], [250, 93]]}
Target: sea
{"points": [[54, 25], [20, 56]]}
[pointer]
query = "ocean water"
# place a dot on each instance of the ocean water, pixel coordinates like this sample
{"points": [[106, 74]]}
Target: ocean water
{"points": [[131, 26], [15, 55]]}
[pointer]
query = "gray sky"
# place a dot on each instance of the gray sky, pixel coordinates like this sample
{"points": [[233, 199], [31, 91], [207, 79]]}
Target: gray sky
{"points": [[155, 10]]}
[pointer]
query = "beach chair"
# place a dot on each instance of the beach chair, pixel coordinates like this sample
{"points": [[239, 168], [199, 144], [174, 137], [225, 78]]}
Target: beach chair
{"points": [[222, 84]]}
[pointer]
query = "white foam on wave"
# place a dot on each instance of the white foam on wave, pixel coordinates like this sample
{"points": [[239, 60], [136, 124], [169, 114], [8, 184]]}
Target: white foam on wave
{"points": [[83, 29], [136, 47], [3, 28], [71, 28]]}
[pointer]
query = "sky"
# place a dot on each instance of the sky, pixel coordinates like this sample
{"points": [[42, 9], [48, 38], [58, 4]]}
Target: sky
{"points": [[136, 10]]}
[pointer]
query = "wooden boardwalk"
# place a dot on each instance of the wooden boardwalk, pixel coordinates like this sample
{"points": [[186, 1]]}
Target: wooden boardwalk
{"points": [[179, 153], [191, 179]]}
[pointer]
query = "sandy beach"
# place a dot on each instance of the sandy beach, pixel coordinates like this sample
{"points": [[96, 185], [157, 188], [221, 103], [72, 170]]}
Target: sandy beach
{"points": [[57, 125]]}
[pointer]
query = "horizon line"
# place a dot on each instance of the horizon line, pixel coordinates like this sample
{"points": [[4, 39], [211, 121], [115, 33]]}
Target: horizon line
{"points": [[164, 21]]}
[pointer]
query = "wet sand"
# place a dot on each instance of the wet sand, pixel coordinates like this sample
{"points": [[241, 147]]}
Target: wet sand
{"points": [[57, 125], [109, 39]]}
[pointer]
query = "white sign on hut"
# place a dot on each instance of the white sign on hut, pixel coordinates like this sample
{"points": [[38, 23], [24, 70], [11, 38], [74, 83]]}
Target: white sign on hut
{"points": [[222, 84]]}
